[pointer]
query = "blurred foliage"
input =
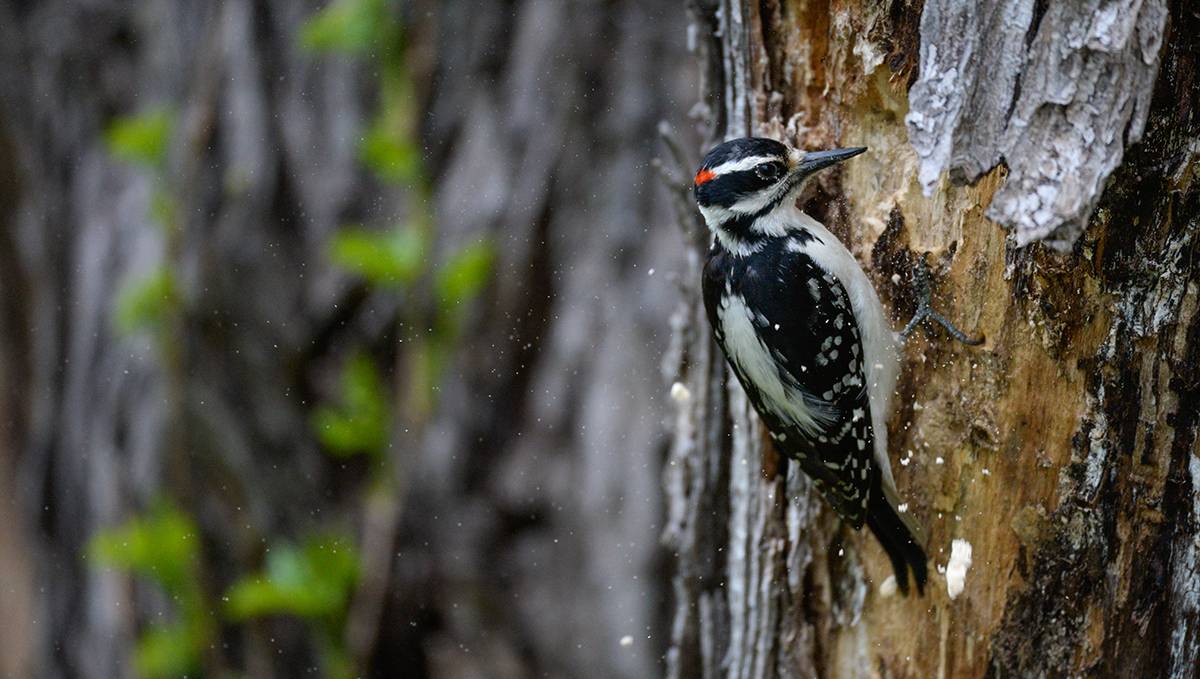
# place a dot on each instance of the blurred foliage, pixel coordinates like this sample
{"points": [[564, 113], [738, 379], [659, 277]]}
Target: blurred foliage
{"points": [[360, 423], [457, 281], [390, 147], [354, 27], [390, 153], [162, 546], [164, 210], [141, 139], [146, 303], [385, 259], [399, 259], [464, 275], [369, 28], [169, 651], [314, 582], [396, 260]]}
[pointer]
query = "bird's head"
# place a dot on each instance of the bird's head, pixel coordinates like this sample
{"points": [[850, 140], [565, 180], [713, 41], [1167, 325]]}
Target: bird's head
{"points": [[744, 179]]}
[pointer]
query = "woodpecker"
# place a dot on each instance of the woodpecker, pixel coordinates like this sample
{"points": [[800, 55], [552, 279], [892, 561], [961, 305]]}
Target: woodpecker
{"points": [[803, 330]]}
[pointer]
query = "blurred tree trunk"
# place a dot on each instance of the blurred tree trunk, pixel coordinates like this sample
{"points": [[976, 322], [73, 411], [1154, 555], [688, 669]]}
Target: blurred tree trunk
{"points": [[528, 544], [538, 488], [1064, 449]]}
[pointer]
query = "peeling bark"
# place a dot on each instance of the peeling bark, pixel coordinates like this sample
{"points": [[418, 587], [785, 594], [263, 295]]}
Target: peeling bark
{"points": [[1054, 91], [1064, 449]]}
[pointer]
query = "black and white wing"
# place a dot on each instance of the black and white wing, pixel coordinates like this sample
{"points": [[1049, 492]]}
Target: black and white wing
{"points": [[789, 332], [822, 344]]}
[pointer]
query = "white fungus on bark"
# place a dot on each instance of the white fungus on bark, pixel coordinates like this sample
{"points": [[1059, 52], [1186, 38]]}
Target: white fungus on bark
{"points": [[887, 588], [956, 569]]}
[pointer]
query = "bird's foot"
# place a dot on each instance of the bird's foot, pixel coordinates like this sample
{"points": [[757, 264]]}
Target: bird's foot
{"points": [[925, 310]]}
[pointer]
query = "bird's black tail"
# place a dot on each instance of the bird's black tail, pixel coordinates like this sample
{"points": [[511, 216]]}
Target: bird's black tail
{"points": [[897, 540]]}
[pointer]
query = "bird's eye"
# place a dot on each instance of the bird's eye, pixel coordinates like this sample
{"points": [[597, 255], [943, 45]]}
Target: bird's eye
{"points": [[769, 171]]}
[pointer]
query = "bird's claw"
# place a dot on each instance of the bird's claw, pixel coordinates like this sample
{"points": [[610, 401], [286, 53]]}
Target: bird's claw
{"points": [[925, 310]]}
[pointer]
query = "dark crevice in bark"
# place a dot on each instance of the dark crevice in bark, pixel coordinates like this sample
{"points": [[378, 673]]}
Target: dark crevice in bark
{"points": [[702, 15], [1035, 21], [903, 40], [772, 30]]}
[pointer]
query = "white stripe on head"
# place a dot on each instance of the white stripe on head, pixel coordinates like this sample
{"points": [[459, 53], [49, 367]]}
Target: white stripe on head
{"points": [[782, 194], [758, 200], [740, 165]]}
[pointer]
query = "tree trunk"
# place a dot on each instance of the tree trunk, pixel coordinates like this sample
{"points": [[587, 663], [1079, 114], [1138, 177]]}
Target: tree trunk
{"points": [[1045, 155], [525, 542]]}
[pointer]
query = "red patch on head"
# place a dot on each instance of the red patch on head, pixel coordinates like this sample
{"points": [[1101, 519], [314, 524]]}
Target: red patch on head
{"points": [[704, 176]]}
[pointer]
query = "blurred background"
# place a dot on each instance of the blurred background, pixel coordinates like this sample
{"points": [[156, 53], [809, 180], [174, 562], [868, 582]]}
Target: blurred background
{"points": [[331, 334]]}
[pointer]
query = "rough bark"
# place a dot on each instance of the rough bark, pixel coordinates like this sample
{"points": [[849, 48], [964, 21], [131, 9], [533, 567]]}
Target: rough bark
{"points": [[1064, 449], [1055, 91], [528, 542], [556, 434]]}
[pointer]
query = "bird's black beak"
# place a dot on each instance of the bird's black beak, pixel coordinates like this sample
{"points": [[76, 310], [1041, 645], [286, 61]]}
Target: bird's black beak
{"points": [[811, 162]]}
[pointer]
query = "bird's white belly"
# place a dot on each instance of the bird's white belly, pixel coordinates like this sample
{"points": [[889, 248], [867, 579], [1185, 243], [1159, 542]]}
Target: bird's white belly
{"points": [[754, 361]]}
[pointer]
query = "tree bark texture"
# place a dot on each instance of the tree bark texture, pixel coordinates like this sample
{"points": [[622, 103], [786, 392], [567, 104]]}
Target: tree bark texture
{"points": [[527, 542], [1046, 156]]}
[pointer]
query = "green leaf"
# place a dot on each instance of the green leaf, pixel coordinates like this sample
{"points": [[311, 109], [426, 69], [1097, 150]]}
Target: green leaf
{"points": [[427, 358], [361, 422], [389, 153], [160, 544], [392, 258], [146, 303], [464, 276], [163, 208], [352, 27], [312, 582], [168, 651], [142, 138]]}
